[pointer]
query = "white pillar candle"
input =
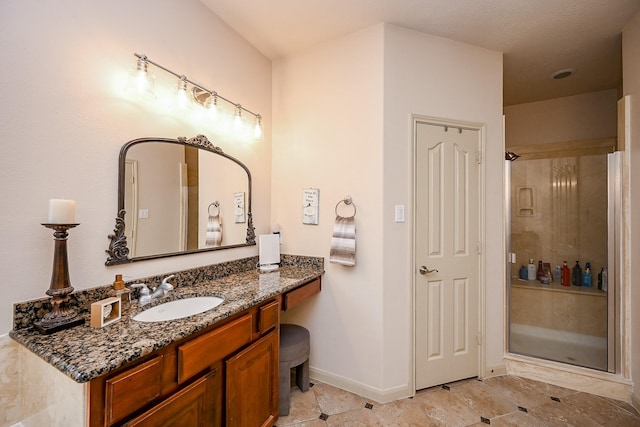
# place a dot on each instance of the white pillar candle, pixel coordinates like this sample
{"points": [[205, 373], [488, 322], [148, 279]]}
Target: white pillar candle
{"points": [[62, 211]]}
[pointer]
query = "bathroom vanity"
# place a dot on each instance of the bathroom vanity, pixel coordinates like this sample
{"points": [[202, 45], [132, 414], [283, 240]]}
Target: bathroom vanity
{"points": [[186, 382], [216, 368]]}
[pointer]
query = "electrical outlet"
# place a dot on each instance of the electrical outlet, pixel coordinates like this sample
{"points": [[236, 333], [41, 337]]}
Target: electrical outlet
{"points": [[143, 213]]}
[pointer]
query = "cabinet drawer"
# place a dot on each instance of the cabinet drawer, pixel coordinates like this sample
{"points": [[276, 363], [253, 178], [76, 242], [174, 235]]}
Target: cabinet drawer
{"points": [[204, 351], [198, 404], [268, 316], [132, 389], [298, 295]]}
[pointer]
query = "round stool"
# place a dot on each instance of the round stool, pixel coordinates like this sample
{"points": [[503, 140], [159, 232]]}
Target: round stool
{"points": [[294, 353]]}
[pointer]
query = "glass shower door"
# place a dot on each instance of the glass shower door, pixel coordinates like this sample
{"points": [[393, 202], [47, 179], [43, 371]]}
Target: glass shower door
{"points": [[561, 210]]}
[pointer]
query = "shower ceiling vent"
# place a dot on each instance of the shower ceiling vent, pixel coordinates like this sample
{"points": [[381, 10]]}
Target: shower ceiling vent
{"points": [[561, 74]]}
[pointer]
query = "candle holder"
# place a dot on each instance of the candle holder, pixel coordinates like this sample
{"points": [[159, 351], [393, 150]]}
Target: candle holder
{"points": [[61, 315]]}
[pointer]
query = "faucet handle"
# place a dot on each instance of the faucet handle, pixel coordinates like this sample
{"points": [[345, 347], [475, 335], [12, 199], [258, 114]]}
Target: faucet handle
{"points": [[165, 282], [144, 290]]}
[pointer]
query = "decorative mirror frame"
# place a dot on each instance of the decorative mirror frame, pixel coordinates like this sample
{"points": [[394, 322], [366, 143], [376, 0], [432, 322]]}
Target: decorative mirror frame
{"points": [[119, 252]]}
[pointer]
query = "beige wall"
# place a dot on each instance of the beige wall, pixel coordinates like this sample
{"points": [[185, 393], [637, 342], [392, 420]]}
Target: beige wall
{"points": [[342, 124], [327, 111], [572, 118], [631, 73]]}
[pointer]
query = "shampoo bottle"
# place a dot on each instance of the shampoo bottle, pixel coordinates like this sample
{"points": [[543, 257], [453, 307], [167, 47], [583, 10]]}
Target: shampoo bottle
{"points": [[600, 278], [557, 276], [586, 277], [531, 270], [540, 272], [565, 274], [523, 274], [576, 279]]}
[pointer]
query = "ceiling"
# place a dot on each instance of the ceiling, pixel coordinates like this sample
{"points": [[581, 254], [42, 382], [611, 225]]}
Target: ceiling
{"points": [[537, 37]]}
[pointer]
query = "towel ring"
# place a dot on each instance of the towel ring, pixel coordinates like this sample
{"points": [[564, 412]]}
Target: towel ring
{"points": [[216, 205], [347, 201]]}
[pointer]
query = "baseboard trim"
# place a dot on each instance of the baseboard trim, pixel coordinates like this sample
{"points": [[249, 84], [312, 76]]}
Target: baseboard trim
{"points": [[635, 401], [495, 371], [574, 377], [375, 394]]}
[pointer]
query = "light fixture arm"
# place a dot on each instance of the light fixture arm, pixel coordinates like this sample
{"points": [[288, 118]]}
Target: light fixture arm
{"points": [[144, 58]]}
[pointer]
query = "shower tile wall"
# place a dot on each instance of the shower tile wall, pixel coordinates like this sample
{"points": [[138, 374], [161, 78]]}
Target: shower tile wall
{"points": [[567, 217]]}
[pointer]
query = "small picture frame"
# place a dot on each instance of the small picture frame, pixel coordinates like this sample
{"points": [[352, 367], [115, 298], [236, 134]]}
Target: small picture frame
{"points": [[105, 312], [310, 205], [238, 207]]}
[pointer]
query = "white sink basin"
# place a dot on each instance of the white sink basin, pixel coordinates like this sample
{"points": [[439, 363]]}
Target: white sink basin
{"points": [[178, 309]]}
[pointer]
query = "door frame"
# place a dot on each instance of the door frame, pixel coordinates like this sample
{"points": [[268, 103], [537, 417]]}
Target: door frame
{"points": [[481, 128]]}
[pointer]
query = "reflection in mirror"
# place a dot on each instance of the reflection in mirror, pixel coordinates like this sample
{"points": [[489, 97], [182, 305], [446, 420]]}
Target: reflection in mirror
{"points": [[179, 196]]}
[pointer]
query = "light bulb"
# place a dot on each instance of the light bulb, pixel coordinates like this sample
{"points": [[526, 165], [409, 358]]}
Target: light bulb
{"points": [[257, 130], [141, 82], [211, 104], [182, 95], [237, 120]]}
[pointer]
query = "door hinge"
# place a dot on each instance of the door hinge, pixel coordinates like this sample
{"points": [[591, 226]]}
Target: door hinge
{"points": [[478, 248], [479, 338], [478, 157]]}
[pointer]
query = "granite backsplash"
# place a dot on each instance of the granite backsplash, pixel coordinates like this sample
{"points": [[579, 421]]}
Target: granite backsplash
{"points": [[27, 312]]}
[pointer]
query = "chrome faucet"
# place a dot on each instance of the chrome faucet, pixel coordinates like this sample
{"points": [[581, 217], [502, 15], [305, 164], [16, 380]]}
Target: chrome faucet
{"points": [[145, 294]]}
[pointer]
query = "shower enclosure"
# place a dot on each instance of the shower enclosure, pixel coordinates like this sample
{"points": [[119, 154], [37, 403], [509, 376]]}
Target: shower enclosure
{"points": [[563, 203]]}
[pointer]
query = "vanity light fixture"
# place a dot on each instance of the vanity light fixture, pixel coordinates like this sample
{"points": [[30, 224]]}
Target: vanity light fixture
{"points": [[201, 95]]}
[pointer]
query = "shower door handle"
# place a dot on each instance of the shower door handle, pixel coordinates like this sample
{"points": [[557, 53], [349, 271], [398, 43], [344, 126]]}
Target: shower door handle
{"points": [[425, 270]]}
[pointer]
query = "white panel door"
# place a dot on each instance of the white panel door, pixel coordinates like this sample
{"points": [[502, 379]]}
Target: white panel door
{"points": [[446, 256]]}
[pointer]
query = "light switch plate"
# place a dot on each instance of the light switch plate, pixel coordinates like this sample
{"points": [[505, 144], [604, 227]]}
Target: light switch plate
{"points": [[399, 213], [143, 213]]}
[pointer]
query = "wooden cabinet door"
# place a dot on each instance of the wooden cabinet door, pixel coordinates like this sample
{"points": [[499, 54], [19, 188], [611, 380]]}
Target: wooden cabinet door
{"points": [[197, 405], [132, 389], [252, 384]]}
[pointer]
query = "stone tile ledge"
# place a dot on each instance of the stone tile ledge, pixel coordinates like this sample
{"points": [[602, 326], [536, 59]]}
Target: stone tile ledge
{"points": [[84, 353]]}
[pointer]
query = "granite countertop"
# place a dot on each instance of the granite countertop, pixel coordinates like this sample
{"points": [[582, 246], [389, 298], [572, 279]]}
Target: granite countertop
{"points": [[84, 353]]}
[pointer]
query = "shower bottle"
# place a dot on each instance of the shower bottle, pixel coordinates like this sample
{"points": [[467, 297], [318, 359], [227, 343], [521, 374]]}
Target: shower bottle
{"points": [[565, 275], [600, 278], [586, 277], [576, 280], [557, 276], [531, 270], [540, 271]]}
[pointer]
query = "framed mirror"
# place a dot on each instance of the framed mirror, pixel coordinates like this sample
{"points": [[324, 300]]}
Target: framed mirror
{"points": [[179, 196]]}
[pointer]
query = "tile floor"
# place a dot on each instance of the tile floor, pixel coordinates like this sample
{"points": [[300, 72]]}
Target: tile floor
{"points": [[498, 401]]}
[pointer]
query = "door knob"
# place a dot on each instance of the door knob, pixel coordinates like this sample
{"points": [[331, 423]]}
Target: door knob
{"points": [[425, 270]]}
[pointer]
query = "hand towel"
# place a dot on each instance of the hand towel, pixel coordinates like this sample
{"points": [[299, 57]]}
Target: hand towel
{"points": [[214, 232], [343, 241]]}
